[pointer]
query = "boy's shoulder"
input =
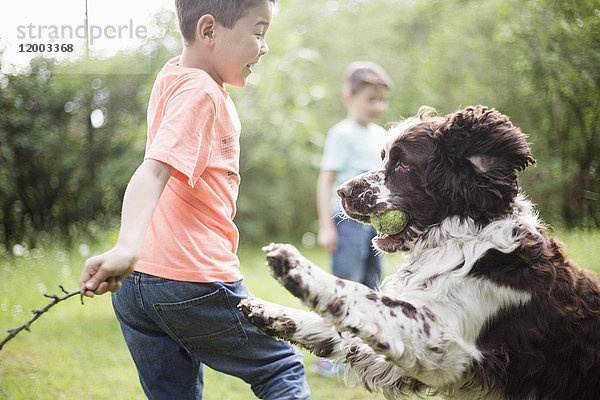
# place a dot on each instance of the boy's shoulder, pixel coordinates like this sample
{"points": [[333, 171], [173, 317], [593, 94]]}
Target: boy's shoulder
{"points": [[378, 129], [181, 79], [347, 127]]}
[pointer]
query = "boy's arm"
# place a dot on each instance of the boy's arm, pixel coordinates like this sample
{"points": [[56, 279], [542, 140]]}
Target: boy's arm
{"points": [[105, 271], [327, 237]]}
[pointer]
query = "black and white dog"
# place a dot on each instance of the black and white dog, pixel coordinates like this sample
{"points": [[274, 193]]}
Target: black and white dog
{"points": [[486, 307]]}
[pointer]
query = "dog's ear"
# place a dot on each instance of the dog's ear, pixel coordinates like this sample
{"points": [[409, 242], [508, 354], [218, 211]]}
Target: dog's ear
{"points": [[480, 154], [487, 139]]}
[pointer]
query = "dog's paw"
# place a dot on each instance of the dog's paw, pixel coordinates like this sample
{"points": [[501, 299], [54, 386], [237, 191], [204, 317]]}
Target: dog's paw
{"points": [[248, 307], [266, 318], [289, 267], [281, 258]]}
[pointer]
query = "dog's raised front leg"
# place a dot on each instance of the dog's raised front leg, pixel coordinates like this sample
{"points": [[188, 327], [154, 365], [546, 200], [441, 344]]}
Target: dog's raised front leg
{"points": [[303, 327], [312, 332], [408, 334]]}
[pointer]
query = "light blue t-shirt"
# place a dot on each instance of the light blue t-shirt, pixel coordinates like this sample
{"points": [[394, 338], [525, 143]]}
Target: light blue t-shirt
{"points": [[350, 150]]}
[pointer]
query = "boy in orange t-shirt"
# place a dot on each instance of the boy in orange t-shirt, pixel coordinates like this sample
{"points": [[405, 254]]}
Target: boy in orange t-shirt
{"points": [[174, 269]]}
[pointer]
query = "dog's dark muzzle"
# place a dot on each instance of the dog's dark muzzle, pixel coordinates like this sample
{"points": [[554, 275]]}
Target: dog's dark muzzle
{"points": [[358, 199]]}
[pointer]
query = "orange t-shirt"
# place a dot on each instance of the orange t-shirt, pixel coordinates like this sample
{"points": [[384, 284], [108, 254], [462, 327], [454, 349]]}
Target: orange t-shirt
{"points": [[193, 126]]}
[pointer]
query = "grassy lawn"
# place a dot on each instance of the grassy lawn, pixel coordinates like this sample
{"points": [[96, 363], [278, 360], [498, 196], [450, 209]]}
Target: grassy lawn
{"points": [[77, 351]]}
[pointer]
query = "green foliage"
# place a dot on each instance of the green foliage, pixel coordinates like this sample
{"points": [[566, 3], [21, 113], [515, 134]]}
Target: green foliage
{"points": [[34, 164], [557, 46], [58, 170], [536, 61]]}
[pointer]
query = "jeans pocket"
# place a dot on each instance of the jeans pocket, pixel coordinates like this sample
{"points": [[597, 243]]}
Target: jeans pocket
{"points": [[207, 323]]}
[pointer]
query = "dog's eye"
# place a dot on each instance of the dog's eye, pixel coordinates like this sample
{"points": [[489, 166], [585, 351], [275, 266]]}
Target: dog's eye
{"points": [[400, 166]]}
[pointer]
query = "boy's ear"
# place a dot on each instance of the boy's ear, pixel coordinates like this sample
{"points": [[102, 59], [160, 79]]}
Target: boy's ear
{"points": [[346, 97], [205, 29]]}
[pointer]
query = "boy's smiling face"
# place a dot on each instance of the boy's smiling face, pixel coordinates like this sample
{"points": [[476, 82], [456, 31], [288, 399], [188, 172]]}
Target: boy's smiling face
{"points": [[236, 50]]}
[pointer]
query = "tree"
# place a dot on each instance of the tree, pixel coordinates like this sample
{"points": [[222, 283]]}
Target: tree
{"points": [[33, 166], [49, 183], [557, 47], [536, 61]]}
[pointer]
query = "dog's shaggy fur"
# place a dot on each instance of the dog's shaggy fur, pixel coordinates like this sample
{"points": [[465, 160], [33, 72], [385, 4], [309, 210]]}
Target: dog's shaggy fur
{"points": [[486, 307]]}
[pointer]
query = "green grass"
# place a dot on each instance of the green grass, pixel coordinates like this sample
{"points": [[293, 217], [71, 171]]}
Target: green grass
{"points": [[77, 351]]}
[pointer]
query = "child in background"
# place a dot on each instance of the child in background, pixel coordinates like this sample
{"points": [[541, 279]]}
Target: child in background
{"points": [[174, 269], [353, 146]]}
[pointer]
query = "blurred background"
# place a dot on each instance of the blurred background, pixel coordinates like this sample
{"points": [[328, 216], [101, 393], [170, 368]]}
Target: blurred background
{"points": [[72, 130]]}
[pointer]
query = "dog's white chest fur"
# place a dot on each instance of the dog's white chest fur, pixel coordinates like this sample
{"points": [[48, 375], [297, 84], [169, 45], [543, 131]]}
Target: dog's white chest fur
{"points": [[436, 278], [437, 274]]}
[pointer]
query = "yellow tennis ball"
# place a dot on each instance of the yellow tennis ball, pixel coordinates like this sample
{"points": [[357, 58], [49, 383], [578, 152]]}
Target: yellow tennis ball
{"points": [[390, 222]]}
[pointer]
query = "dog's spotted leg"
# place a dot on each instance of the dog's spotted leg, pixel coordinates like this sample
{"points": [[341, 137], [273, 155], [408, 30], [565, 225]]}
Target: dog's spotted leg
{"points": [[327, 295], [290, 268], [405, 331], [303, 327], [315, 334], [270, 318], [318, 289]]}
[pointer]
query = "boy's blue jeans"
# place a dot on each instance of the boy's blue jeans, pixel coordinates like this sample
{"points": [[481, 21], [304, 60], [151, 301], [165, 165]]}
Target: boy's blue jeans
{"points": [[173, 328], [356, 259]]}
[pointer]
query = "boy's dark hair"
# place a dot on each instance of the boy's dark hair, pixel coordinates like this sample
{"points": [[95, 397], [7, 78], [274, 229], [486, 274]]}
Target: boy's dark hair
{"points": [[225, 12], [364, 73]]}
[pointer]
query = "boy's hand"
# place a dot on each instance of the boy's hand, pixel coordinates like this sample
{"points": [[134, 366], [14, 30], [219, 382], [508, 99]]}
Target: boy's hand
{"points": [[106, 271], [328, 237]]}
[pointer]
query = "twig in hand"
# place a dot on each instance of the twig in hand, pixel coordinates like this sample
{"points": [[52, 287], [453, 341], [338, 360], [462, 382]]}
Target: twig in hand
{"points": [[38, 312]]}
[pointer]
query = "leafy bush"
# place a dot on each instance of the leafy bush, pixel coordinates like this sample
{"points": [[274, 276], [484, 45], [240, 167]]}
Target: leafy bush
{"points": [[536, 61]]}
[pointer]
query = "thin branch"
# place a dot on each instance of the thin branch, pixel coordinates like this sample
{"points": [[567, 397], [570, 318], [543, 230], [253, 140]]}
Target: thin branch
{"points": [[38, 312]]}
